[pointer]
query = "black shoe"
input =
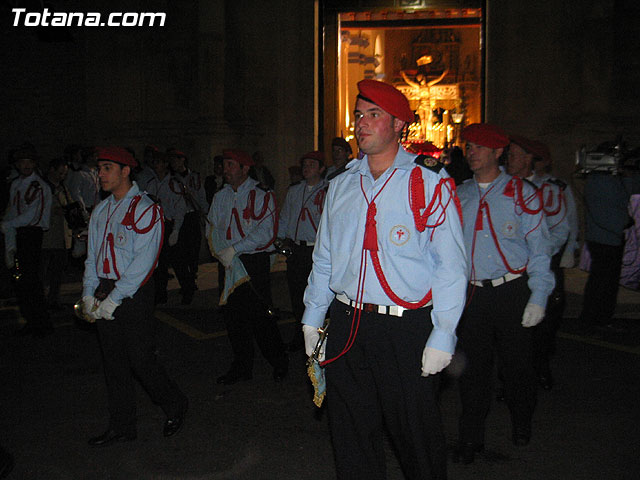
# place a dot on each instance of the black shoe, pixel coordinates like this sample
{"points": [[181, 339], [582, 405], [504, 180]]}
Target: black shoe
{"points": [[234, 376], [6, 463], [280, 373], [174, 424], [466, 452], [110, 437]]}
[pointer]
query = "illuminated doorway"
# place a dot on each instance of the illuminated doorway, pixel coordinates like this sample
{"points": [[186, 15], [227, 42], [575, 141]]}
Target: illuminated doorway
{"points": [[433, 55]]}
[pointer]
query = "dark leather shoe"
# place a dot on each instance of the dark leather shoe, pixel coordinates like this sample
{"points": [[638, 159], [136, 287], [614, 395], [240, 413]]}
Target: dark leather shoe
{"points": [[466, 452], [174, 424], [110, 437], [234, 376]]}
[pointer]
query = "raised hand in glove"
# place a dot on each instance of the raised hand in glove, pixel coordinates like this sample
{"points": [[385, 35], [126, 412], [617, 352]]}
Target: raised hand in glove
{"points": [[226, 256], [311, 337], [106, 308], [90, 306], [434, 360], [532, 316], [173, 238]]}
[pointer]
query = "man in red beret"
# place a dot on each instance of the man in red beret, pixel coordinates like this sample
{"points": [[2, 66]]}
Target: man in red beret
{"points": [[509, 248], [392, 274], [26, 219], [125, 238], [299, 220], [241, 231]]}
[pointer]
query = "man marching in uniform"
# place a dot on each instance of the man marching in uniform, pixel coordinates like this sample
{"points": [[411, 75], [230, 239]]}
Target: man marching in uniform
{"points": [[299, 220], [509, 247], [23, 226], [188, 211], [125, 238], [241, 232], [390, 265], [559, 208]]}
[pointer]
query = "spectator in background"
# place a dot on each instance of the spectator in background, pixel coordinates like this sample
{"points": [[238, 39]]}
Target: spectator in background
{"points": [[260, 172], [213, 183], [340, 156], [57, 240]]}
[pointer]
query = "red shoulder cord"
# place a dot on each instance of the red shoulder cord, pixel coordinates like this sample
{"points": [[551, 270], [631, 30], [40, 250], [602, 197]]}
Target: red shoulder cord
{"points": [[304, 211], [370, 243], [249, 213], [34, 190], [130, 222], [548, 211]]}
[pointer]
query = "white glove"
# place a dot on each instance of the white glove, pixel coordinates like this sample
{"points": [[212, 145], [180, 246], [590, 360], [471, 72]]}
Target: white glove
{"points": [[106, 308], [311, 337], [532, 316], [10, 257], [89, 304], [173, 238], [226, 256], [568, 259], [434, 360]]}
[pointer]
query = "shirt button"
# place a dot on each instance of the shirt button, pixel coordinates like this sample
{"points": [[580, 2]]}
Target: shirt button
{"points": [[486, 236]]}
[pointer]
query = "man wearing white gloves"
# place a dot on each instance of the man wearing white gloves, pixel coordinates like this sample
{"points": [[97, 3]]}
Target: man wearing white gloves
{"points": [[389, 264], [509, 249], [125, 237]]}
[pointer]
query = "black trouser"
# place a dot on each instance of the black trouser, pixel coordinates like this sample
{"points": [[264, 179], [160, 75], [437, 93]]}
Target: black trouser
{"points": [[128, 349], [601, 291], [54, 262], [299, 265], [185, 253], [29, 289], [246, 317], [492, 321], [544, 334], [378, 383]]}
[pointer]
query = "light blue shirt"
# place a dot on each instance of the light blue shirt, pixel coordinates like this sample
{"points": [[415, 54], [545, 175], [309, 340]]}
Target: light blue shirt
{"points": [[136, 254], [301, 211], [194, 197], [523, 238], [29, 203], [168, 199], [412, 261], [247, 234], [563, 225]]}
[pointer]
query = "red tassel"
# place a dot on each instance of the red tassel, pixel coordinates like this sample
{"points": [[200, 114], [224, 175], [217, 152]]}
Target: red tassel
{"points": [[509, 190], [303, 217], [479, 226], [229, 232], [417, 190], [370, 233], [105, 266]]}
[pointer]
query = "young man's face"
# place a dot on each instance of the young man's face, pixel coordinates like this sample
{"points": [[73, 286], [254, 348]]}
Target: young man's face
{"points": [[339, 155], [60, 173], [311, 170], [25, 166], [376, 130], [518, 161], [159, 165], [234, 173], [113, 177], [177, 163], [482, 159]]}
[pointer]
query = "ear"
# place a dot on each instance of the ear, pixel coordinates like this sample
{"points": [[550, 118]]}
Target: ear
{"points": [[126, 170], [398, 124], [498, 152]]}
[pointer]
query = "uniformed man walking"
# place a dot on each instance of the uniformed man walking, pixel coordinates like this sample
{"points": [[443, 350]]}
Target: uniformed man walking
{"points": [[125, 238], [509, 247], [390, 265]]}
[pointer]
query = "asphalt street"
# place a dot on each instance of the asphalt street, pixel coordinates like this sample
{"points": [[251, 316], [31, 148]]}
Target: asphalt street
{"points": [[53, 399]]}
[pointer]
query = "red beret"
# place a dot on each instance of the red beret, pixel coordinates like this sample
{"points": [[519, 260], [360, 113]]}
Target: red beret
{"points": [[240, 156], [315, 155], [176, 153], [117, 155], [540, 150], [485, 134], [387, 97], [526, 144]]}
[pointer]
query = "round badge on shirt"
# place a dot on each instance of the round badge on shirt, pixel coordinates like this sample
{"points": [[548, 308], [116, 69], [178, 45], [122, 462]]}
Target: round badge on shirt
{"points": [[509, 229], [399, 235], [121, 239]]}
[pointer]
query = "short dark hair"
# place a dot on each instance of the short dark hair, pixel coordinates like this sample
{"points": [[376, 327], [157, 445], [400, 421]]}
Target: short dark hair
{"points": [[57, 163]]}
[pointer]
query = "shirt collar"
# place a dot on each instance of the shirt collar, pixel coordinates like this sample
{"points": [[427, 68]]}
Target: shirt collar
{"points": [[403, 161]]}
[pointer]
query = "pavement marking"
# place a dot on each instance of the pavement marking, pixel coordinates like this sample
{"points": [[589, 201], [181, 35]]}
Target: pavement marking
{"points": [[194, 332], [600, 343]]}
